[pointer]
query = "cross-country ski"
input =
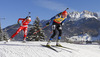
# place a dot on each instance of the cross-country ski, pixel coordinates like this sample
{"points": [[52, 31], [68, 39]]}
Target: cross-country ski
{"points": [[50, 47]]}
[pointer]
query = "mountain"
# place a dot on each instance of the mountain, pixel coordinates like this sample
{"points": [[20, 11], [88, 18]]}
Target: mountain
{"points": [[78, 23]]}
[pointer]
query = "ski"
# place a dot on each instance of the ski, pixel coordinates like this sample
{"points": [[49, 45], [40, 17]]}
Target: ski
{"points": [[5, 42], [50, 47], [62, 47]]}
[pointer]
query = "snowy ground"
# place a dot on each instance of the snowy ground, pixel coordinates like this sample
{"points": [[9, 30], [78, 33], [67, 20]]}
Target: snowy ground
{"points": [[34, 49]]}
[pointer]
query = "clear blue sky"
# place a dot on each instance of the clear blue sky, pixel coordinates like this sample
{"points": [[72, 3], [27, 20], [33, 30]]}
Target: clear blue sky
{"points": [[45, 9]]}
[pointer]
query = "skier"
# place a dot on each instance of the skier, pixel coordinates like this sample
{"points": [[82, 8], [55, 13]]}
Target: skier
{"points": [[24, 26], [57, 22]]}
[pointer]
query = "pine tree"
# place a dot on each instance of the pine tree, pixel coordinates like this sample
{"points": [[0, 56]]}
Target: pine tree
{"points": [[5, 35], [0, 33], [39, 36]]}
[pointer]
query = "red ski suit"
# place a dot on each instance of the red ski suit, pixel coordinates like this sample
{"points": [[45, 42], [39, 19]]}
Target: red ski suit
{"points": [[23, 27]]}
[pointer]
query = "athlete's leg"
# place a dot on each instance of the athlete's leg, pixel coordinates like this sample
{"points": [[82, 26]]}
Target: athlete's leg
{"points": [[59, 28], [20, 28], [25, 33], [54, 33]]}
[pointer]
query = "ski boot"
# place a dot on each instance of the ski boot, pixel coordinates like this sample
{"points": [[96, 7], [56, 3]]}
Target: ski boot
{"points": [[8, 40], [57, 43], [48, 44], [24, 41]]}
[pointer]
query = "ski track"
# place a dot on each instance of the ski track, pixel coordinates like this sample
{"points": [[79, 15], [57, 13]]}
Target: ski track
{"points": [[34, 49]]}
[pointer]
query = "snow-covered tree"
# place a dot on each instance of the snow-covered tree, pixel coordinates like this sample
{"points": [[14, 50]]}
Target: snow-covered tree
{"points": [[1, 38], [5, 35], [36, 33]]}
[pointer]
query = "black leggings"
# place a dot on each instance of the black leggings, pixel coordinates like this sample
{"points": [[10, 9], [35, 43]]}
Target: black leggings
{"points": [[55, 27]]}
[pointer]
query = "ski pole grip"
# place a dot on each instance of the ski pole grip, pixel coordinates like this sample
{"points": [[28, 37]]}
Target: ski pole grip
{"points": [[29, 12], [67, 9]]}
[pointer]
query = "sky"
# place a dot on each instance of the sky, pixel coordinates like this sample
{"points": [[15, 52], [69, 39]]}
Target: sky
{"points": [[12, 10]]}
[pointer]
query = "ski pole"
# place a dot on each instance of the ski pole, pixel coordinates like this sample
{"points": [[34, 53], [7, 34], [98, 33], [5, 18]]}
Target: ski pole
{"points": [[29, 13], [11, 27], [51, 32], [39, 30], [2, 18]]}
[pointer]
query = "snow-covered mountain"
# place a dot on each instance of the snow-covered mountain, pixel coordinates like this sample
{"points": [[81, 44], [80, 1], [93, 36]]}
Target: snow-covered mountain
{"points": [[74, 16], [84, 37], [34, 49]]}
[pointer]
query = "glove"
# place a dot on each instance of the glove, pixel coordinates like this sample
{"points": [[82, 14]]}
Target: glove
{"points": [[26, 17], [18, 22], [47, 24]]}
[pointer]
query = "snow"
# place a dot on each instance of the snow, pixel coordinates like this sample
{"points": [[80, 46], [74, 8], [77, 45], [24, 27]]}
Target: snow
{"points": [[34, 49], [83, 37], [88, 16]]}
